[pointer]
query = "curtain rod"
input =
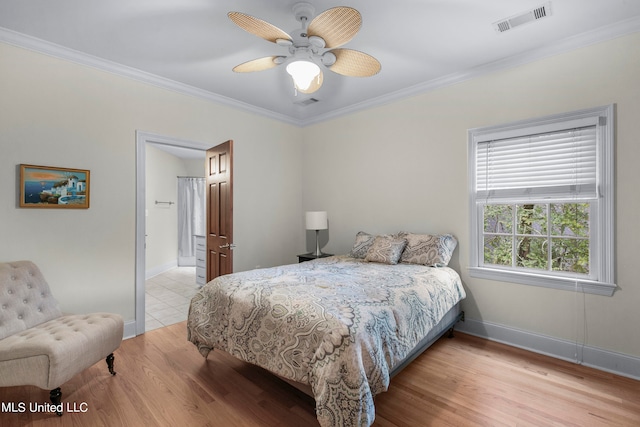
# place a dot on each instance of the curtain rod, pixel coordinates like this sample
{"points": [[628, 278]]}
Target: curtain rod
{"points": [[201, 177]]}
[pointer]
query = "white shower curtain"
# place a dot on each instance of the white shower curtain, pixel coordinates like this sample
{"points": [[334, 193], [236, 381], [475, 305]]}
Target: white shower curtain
{"points": [[191, 217]]}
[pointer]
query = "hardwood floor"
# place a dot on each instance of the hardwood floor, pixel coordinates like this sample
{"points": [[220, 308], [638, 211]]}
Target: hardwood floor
{"points": [[163, 381]]}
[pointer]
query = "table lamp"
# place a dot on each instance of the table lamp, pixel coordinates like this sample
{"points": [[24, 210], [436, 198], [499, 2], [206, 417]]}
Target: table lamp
{"points": [[317, 221]]}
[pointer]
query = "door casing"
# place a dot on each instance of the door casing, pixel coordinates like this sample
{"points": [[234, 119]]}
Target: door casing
{"points": [[142, 138]]}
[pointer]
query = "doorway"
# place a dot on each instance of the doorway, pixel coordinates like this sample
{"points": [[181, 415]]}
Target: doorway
{"points": [[174, 146], [191, 217]]}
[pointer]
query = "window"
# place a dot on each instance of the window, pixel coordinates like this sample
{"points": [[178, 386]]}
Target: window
{"points": [[541, 201]]}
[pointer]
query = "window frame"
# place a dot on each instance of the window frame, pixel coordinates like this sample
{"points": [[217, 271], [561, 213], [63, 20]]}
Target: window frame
{"points": [[601, 280]]}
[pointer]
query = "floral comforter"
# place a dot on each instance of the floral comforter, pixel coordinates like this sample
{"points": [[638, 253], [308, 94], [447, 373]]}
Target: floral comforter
{"points": [[339, 324]]}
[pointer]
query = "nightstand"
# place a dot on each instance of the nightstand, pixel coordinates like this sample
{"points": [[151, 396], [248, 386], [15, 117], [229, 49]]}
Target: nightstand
{"points": [[310, 256]]}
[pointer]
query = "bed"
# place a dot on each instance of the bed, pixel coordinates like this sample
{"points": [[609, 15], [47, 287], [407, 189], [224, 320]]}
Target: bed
{"points": [[342, 325]]}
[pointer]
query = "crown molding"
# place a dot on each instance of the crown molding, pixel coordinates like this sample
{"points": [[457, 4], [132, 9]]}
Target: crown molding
{"points": [[57, 51], [589, 38], [598, 35]]}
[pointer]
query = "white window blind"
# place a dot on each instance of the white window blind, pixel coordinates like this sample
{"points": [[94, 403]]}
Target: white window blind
{"points": [[556, 159], [552, 165]]}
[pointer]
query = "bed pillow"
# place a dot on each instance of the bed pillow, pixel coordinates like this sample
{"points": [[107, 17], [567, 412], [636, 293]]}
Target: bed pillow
{"points": [[428, 249], [362, 245], [386, 249]]}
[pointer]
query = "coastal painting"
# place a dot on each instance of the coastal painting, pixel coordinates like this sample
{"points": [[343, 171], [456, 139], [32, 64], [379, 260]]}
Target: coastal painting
{"points": [[52, 187]]}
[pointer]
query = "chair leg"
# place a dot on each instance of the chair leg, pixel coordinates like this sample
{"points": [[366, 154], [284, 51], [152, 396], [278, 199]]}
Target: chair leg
{"points": [[56, 397], [110, 364]]}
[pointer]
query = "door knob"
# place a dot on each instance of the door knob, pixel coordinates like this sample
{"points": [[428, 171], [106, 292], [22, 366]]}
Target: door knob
{"points": [[227, 246]]}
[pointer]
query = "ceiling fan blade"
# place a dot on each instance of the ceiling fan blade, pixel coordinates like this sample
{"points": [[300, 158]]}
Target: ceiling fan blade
{"points": [[257, 64], [314, 86], [336, 26], [354, 63], [258, 27]]}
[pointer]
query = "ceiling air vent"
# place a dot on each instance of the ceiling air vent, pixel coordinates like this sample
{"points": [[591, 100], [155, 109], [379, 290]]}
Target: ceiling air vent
{"points": [[523, 18], [306, 102]]}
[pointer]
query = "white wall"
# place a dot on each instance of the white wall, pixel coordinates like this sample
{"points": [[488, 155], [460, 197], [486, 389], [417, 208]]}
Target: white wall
{"points": [[57, 113], [403, 166]]}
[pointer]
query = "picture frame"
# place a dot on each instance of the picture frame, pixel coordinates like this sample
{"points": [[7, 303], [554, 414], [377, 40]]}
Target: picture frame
{"points": [[49, 187]]}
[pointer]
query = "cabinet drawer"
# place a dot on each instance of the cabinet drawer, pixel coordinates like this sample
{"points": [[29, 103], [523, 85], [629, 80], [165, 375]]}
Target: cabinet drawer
{"points": [[201, 278], [201, 259], [201, 245]]}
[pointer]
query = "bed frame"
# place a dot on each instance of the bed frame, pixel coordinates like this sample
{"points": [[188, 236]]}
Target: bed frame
{"points": [[445, 325]]}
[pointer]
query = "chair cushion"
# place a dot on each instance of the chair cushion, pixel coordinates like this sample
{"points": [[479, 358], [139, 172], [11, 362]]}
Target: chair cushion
{"points": [[49, 354], [25, 298]]}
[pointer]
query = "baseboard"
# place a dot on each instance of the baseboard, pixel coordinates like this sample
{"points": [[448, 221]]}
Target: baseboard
{"points": [[148, 274], [604, 360], [186, 261], [129, 329]]}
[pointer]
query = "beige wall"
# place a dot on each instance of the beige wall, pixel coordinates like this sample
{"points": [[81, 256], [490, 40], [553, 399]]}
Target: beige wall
{"points": [[57, 113], [161, 220], [194, 167], [403, 166]]}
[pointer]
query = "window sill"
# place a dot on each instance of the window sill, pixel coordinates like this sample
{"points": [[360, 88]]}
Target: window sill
{"points": [[566, 284]]}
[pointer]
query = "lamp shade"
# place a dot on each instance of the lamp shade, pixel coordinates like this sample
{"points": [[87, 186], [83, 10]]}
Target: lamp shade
{"points": [[316, 220], [303, 73]]}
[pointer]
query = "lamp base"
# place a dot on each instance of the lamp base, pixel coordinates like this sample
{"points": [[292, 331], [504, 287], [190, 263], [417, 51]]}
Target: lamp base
{"points": [[317, 252]]}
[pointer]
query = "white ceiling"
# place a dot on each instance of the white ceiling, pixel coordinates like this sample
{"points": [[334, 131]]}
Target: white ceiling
{"points": [[191, 46]]}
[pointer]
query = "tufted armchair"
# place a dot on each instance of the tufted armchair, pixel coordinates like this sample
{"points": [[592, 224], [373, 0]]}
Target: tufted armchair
{"points": [[38, 344]]}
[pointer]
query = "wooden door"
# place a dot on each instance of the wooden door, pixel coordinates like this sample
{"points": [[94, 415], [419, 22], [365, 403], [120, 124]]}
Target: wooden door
{"points": [[219, 210]]}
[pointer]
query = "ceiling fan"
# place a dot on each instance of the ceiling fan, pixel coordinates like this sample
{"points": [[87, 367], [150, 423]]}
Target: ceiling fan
{"points": [[315, 44]]}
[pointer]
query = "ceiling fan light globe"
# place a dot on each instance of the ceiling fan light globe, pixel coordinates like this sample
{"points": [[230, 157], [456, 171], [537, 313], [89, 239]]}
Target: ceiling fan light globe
{"points": [[303, 73]]}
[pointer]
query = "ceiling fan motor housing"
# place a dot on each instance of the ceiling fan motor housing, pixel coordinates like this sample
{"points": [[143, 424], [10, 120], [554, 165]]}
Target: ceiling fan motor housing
{"points": [[303, 11]]}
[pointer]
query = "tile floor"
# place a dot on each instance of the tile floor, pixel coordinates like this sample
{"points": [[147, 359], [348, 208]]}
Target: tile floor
{"points": [[167, 297]]}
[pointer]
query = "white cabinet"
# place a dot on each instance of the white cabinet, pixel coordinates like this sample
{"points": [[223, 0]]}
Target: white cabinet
{"points": [[201, 260]]}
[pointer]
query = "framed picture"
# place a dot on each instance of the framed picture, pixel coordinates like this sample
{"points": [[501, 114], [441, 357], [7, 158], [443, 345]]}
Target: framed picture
{"points": [[51, 187]]}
